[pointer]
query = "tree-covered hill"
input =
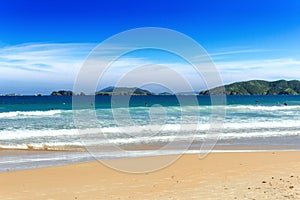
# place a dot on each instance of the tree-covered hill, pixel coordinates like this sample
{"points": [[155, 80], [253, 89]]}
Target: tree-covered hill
{"points": [[123, 91], [258, 87]]}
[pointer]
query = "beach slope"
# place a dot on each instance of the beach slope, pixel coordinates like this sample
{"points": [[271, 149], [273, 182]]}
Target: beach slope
{"points": [[260, 175]]}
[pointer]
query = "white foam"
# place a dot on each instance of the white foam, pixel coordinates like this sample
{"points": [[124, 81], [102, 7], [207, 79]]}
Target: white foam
{"points": [[183, 138], [25, 134], [263, 108], [263, 124], [142, 140], [52, 146], [167, 129], [29, 113]]}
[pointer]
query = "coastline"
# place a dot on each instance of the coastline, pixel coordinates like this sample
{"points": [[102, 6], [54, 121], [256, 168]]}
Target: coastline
{"points": [[246, 175], [264, 139], [16, 159]]}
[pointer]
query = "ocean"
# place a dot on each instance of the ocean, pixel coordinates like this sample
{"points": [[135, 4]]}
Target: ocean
{"points": [[43, 123]]}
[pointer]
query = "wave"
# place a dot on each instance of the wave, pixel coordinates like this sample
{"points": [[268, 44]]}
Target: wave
{"points": [[103, 142], [58, 146], [190, 138], [176, 109], [262, 108], [234, 127], [25, 134], [30, 113]]}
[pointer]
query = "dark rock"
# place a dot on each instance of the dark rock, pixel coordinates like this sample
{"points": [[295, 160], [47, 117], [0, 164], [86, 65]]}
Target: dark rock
{"points": [[62, 93]]}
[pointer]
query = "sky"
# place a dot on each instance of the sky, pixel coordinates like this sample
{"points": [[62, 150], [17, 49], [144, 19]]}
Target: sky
{"points": [[43, 44]]}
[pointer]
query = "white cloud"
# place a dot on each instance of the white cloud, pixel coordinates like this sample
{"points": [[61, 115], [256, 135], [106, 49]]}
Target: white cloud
{"points": [[269, 69], [42, 62], [52, 65]]}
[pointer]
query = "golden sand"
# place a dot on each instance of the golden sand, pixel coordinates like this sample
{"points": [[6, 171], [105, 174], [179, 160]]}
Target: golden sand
{"points": [[260, 175]]}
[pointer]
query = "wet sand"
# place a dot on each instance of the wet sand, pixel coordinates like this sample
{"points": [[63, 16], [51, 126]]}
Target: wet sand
{"points": [[259, 175]]}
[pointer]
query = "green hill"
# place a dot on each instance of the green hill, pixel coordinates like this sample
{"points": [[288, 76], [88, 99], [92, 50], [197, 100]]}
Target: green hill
{"points": [[123, 91], [258, 87]]}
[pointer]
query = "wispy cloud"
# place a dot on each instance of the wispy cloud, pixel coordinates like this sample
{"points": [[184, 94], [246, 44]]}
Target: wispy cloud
{"points": [[39, 61], [269, 69], [49, 65], [234, 52], [225, 53]]}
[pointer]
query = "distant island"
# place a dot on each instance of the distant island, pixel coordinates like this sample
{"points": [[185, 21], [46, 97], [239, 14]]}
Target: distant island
{"points": [[111, 91], [258, 87], [62, 93], [123, 91], [253, 87]]}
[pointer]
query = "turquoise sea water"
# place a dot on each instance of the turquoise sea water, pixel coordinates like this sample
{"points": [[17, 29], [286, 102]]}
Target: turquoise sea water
{"points": [[47, 122]]}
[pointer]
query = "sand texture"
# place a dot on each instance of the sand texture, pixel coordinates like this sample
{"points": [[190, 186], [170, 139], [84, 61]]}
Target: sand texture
{"points": [[261, 175]]}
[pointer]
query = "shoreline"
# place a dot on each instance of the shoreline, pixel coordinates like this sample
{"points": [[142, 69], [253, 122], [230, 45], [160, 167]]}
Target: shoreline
{"points": [[255, 175], [30, 159], [216, 148], [196, 146]]}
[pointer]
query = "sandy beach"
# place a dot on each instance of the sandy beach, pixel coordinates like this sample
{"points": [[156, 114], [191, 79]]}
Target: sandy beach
{"points": [[149, 100], [257, 175]]}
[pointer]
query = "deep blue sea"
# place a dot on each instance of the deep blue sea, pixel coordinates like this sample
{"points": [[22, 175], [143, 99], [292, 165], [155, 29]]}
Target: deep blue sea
{"points": [[47, 122]]}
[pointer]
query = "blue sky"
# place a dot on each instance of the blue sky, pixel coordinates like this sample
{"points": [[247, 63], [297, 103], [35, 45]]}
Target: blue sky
{"points": [[44, 43]]}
